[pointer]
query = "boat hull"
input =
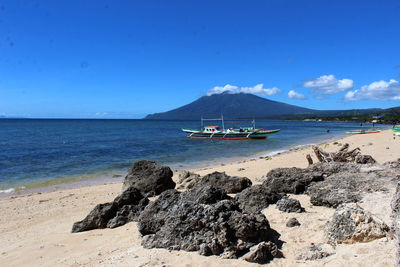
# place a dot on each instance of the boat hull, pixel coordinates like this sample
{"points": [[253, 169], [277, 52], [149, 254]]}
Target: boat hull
{"points": [[362, 132], [229, 136]]}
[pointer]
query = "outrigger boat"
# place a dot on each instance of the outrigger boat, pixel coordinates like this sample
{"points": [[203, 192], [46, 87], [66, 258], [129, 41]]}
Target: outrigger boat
{"points": [[215, 132], [364, 131], [396, 130]]}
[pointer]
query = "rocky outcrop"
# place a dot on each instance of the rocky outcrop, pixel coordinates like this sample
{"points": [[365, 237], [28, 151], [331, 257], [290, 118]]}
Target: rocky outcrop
{"points": [[351, 224], [315, 252], [291, 180], [187, 180], [262, 253], [292, 222], [346, 187], [202, 219], [256, 198], [125, 208], [395, 228], [153, 216], [150, 178], [289, 205], [231, 184]]}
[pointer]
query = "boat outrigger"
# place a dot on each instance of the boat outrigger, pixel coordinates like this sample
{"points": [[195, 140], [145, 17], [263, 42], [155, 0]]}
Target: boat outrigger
{"points": [[215, 132]]}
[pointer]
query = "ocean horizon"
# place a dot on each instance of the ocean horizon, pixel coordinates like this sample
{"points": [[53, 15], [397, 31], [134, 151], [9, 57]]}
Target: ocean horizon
{"points": [[43, 152]]}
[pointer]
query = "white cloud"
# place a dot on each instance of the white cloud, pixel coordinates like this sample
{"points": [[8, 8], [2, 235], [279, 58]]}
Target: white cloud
{"points": [[380, 90], [296, 95], [232, 89], [101, 114], [328, 84]]}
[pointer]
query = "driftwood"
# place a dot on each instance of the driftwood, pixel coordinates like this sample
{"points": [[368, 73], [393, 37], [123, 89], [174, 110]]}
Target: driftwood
{"points": [[343, 155], [309, 159]]}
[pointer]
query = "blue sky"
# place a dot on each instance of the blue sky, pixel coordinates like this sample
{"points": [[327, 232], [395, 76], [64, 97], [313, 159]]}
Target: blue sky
{"points": [[125, 59]]}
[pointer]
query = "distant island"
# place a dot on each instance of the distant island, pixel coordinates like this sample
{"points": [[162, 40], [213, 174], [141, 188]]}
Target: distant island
{"points": [[244, 106]]}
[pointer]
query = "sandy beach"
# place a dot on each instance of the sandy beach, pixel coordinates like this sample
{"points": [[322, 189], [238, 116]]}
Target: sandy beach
{"points": [[35, 229]]}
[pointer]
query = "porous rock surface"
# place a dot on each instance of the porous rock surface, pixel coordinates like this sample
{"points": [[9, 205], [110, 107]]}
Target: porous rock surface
{"points": [[125, 208], [351, 224], [203, 219], [187, 180], [291, 180], [231, 184], [289, 205], [150, 178], [256, 198], [347, 186], [315, 252]]}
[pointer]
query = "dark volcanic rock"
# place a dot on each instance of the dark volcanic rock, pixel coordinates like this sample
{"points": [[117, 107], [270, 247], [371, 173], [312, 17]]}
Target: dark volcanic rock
{"points": [[365, 159], [153, 216], [204, 194], [256, 198], [292, 222], [350, 224], [291, 180], [289, 205], [125, 208], [150, 178], [202, 219], [262, 253], [231, 184]]}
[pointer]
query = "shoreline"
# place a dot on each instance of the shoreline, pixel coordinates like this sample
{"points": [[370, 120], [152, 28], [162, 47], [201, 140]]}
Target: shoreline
{"points": [[199, 167], [81, 181]]}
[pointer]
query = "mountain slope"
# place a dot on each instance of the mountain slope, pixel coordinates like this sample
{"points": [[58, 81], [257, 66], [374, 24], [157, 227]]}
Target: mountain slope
{"points": [[231, 106]]}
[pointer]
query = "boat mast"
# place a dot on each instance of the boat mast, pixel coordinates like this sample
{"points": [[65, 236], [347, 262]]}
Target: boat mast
{"points": [[202, 124], [223, 125]]}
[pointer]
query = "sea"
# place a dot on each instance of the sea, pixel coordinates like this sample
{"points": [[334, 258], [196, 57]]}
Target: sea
{"points": [[37, 153]]}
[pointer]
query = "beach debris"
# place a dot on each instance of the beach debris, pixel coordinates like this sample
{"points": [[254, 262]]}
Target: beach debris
{"points": [[150, 178], [256, 198], [187, 180], [125, 208], [231, 184], [316, 252], [292, 222], [395, 228], [241, 169], [262, 253], [352, 224], [203, 219], [343, 155], [309, 160], [289, 205]]}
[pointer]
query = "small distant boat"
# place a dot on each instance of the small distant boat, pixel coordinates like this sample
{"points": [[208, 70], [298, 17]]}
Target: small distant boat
{"points": [[364, 131], [396, 130], [215, 132]]}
